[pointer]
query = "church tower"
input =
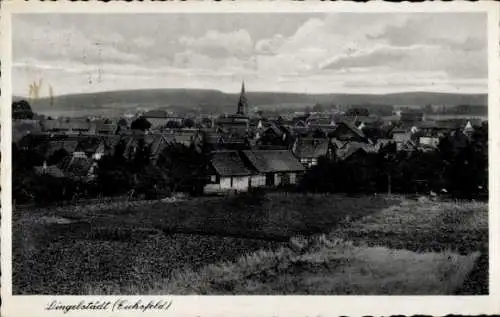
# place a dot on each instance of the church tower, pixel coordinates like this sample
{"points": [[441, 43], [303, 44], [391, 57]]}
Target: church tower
{"points": [[242, 103]]}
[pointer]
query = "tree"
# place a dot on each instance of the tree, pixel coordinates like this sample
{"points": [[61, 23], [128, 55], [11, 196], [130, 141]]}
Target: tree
{"points": [[172, 125], [113, 175], [184, 166], [122, 125], [428, 109], [140, 123], [188, 123], [357, 111], [387, 159], [142, 155], [21, 110], [318, 108], [57, 156]]}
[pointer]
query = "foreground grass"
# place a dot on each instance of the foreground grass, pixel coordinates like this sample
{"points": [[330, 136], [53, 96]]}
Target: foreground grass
{"points": [[152, 246], [276, 215], [423, 226], [327, 268]]}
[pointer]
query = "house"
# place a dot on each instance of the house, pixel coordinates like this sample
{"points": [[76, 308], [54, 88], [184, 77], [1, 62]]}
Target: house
{"points": [[214, 139], [348, 149], [429, 141], [273, 134], [382, 143], [186, 137], [75, 167], [435, 128], [50, 170], [88, 147], [160, 118], [234, 124], [228, 172], [109, 143], [105, 127], [401, 135], [391, 120], [278, 167], [408, 146], [326, 124], [156, 143], [61, 126], [80, 126], [55, 145], [309, 150], [346, 131], [412, 116]]}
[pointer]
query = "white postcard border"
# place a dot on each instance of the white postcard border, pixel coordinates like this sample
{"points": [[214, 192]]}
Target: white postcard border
{"points": [[21, 306]]}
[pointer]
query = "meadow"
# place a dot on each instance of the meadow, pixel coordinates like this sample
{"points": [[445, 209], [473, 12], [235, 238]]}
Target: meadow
{"points": [[271, 243]]}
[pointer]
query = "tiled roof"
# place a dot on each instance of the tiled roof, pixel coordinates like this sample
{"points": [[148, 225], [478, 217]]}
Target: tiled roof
{"points": [[107, 128], [310, 148], [229, 163], [51, 170], [319, 121], [88, 144], [338, 143], [369, 119], [181, 136], [80, 125], [352, 128], [55, 125], [76, 166], [68, 145], [275, 128], [157, 145], [267, 161], [352, 147], [383, 142], [156, 114]]}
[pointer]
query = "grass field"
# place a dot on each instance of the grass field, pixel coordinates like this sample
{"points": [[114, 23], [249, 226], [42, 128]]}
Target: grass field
{"points": [[242, 245]]}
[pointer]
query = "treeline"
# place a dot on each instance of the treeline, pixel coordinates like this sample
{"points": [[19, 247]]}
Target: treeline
{"points": [[137, 173], [477, 110], [459, 167]]}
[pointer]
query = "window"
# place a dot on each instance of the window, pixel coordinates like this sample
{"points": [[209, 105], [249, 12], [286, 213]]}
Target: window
{"points": [[213, 178]]}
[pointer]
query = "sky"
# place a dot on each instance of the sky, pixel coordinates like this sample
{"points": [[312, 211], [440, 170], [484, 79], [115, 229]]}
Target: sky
{"points": [[286, 52]]}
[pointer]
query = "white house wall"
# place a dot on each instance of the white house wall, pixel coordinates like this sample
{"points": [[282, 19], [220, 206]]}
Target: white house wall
{"points": [[225, 183], [240, 183], [258, 181]]}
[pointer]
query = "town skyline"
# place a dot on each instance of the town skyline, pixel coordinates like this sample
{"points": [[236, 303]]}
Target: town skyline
{"points": [[296, 53]]}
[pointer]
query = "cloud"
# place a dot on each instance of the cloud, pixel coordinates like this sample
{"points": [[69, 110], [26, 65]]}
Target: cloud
{"points": [[375, 57], [295, 52], [457, 31], [220, 45], [48, 44], [269, 46]]}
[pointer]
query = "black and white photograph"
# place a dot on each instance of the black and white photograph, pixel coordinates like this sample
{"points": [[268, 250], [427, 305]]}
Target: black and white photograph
{"points": [[250, 153]]}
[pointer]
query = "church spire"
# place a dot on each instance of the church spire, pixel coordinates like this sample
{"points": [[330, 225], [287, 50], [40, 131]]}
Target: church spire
{"points": [[242, 103]]}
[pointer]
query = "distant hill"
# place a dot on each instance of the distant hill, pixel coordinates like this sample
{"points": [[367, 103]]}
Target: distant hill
{"points": [[119, 102]]}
